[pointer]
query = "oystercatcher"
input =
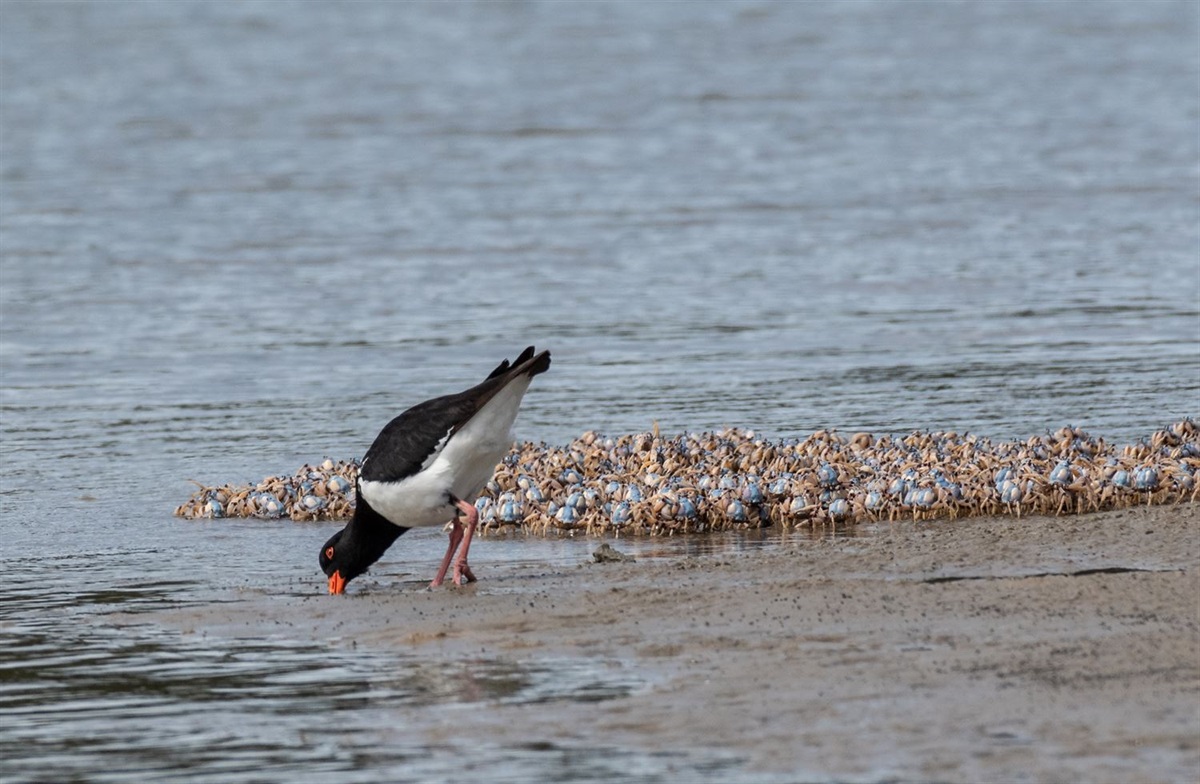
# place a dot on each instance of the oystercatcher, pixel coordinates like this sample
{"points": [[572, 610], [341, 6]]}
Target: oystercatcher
{"points": [[431, 461]]}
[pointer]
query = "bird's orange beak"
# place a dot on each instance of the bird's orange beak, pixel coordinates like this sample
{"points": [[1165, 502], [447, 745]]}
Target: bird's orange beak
{"points": [[336, 583]]}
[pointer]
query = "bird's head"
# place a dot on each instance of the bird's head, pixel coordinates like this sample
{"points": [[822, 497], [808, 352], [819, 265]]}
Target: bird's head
{"points": [[352, 550], [341, 561]]}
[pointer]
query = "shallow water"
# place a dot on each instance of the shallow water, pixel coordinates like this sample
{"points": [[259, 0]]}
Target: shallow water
{"points": [[236, 237], [88, 693]]}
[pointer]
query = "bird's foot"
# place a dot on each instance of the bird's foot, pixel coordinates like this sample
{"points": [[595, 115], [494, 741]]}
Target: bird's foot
{"points": [[461, 571]]}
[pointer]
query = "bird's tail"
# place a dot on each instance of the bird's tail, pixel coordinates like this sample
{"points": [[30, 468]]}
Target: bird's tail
{"points": [[526, 364]]}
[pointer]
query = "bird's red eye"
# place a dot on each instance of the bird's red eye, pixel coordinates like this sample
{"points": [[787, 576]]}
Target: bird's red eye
{"points": [[329, 552]]}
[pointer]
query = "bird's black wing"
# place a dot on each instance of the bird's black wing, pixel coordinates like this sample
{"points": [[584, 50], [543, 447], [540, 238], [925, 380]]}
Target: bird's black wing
{"points": [[402, 448]]}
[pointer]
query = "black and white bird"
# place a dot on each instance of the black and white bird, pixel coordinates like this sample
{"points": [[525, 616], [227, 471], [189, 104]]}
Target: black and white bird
{"points": [[429, 464]]}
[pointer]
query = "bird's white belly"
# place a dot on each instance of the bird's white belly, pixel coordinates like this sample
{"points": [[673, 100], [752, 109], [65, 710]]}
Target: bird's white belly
{"points": [[423, 499]]}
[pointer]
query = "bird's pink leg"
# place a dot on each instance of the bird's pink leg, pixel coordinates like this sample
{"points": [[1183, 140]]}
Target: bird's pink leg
{"points": [[455, 537], [460, 566]]}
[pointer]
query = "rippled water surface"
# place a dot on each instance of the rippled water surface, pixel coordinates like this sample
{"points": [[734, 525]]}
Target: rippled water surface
{"points": [[235, 237], [115, 704]]}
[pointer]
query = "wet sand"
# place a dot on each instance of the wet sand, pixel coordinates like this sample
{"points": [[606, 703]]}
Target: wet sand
{"points": [[991, 649]]}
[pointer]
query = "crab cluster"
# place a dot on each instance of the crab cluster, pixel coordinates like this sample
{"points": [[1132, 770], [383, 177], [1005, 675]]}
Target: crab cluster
{"points": [[646, 483], [321, 492]]}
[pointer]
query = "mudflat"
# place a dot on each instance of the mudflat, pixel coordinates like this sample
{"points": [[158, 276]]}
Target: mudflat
{"points": [[981, 650]]}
